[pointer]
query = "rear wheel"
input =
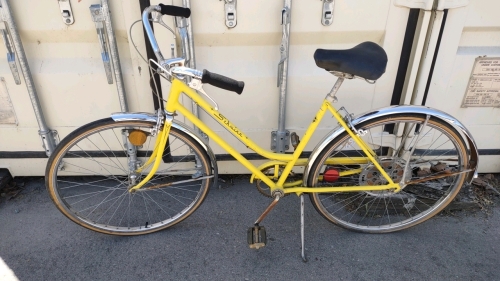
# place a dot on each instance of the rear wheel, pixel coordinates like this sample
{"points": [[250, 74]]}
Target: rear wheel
{"points": [[91, 171], [440, 150]]}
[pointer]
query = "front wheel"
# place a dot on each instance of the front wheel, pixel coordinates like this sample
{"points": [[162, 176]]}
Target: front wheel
{"points": [[91, 171], [438, 149]]}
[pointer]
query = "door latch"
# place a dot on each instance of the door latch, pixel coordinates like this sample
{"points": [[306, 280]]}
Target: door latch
{"points": [[327, 14], [230, 13], [11, 57], [66, 12], [98, 18], [7, 40]]}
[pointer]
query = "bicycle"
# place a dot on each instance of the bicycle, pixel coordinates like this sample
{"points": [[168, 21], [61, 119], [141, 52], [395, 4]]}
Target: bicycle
{"points": [[386, 170]]}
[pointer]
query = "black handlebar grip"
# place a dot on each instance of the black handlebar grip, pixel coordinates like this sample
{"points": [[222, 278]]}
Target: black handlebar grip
{"points": [[222, 82], [175, 11]]}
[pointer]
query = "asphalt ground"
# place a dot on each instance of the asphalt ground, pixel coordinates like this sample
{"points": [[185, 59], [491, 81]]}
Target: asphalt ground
{"points": [[39, 243]]}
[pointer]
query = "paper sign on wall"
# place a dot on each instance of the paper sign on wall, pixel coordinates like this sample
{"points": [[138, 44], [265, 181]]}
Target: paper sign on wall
{"points": [[483, 89]]}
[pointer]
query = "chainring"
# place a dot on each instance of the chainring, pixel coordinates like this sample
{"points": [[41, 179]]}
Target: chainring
{"points": [[269, 171]]}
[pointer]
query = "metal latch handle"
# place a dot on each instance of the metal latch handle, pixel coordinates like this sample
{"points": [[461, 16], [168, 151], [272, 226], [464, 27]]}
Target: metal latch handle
{"points": [[66, 11], [327, 13], [11, 57], [230, 13], [98, 18], [285, 22]]}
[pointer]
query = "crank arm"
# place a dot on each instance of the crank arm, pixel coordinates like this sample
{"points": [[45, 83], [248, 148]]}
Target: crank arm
{"points": [[268, 209]]}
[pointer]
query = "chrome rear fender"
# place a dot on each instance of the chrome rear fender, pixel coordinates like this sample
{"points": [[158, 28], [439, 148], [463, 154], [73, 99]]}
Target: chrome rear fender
{"points": [[152, 118], [465, 134]]}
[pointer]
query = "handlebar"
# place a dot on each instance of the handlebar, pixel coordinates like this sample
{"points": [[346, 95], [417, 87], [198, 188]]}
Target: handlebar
{"points": [[208, 77], [174, 11], [222, 82], [164, 10]]}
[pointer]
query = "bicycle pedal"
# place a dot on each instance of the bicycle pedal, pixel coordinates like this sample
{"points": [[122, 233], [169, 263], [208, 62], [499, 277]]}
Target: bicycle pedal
{"points": [[256, 237]]}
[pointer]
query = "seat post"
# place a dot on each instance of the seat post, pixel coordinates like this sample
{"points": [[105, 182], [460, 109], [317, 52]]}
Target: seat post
{"points": [[331, 95]]}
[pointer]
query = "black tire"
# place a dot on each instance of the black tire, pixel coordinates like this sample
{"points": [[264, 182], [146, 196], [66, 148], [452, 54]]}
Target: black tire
{"points": [[88, 179], [440, 149]]}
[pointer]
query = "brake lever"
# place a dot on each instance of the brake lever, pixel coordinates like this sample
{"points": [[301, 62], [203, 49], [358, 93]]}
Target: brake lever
{"points": [[158, 18], [198, 86]]}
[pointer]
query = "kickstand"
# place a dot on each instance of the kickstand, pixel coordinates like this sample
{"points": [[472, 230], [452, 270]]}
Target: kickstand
{"points": [[303, 248]]}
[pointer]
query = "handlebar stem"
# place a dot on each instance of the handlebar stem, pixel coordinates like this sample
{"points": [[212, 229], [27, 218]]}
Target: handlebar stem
{"points": [[186, 71], [149, 31]]}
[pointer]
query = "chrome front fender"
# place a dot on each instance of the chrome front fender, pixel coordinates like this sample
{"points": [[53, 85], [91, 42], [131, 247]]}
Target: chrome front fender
{"points": [[466, 135], [152, 118]]}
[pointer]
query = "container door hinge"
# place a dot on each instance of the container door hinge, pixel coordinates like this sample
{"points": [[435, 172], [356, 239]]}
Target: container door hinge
{"points": [[230, 13], [49, 138], [98, 18], [66, 12], [280, 140], [327, 13]]}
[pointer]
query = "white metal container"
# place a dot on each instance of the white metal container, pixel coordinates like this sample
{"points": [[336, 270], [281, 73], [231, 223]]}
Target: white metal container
{"points": [[66, 65]]}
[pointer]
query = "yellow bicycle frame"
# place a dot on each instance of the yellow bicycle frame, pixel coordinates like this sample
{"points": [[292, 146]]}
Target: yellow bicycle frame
{"points": [[288, 160]]}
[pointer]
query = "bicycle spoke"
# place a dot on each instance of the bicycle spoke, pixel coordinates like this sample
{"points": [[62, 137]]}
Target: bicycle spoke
{"points": [[92, 187], [385, 211]]}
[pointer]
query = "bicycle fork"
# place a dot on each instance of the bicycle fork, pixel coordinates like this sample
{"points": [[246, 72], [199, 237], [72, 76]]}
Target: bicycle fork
{"points": [[155, 158], [133, 162]]}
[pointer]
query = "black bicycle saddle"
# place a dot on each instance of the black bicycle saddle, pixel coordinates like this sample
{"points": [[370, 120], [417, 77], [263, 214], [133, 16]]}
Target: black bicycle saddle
{"points": [[367, 60]]}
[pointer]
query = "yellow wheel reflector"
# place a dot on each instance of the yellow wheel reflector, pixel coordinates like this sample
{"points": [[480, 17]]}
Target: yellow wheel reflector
{"points": [[137, 137]]}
